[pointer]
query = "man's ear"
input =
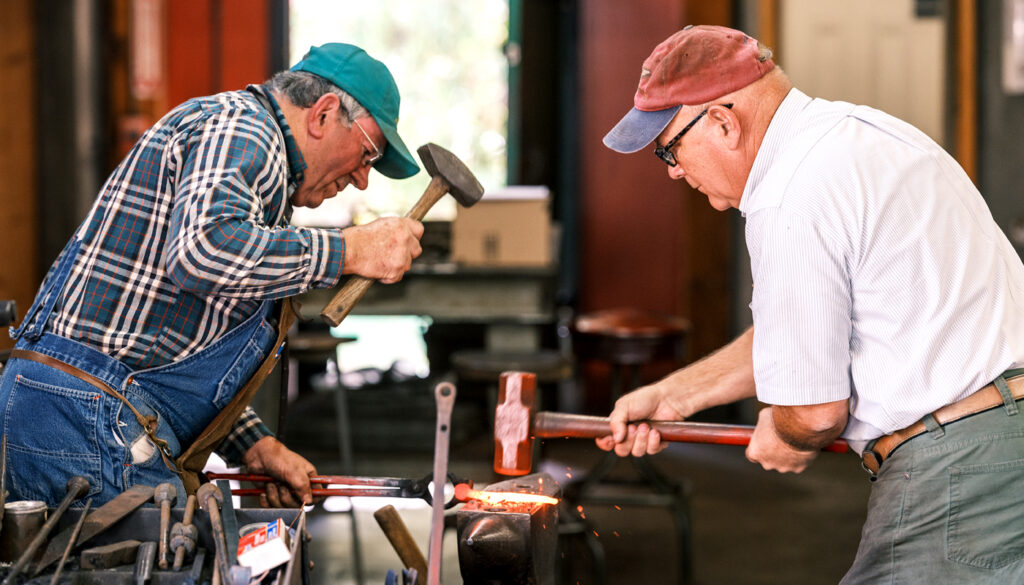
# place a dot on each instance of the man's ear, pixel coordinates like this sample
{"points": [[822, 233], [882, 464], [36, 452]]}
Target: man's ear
{"points": [[726, 125], [319, 114]]}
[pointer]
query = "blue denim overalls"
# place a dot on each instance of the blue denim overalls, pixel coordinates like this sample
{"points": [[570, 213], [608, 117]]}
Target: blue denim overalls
{"points": [[59, 425]]}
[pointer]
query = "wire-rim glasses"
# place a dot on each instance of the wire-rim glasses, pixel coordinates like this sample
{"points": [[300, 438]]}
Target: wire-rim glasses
{"points": [[368, 158]]}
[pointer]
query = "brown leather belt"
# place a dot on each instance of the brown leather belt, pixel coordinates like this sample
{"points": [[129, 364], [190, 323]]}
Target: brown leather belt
{"points": [[148, 423], [984, 399]]}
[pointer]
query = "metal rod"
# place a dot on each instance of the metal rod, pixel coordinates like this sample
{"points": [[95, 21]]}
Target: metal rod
{"points": [[322, 479], [349, 492], [76, 487], [444, 395], [71, 542]]}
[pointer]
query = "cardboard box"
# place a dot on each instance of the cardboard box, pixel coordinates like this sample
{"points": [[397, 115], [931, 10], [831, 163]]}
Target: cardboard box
{"points": [[507, 227], [265, 547]]}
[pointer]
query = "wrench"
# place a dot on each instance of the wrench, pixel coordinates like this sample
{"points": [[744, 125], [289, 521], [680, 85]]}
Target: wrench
{"points": [[444, 395]]}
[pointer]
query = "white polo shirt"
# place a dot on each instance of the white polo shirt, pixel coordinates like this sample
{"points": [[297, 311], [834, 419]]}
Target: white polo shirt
{"points": [[879, 274]]}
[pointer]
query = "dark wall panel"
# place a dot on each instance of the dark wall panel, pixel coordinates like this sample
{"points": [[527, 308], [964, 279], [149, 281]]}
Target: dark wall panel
{"points": [[1001, 140], [645, 241], [630, 211]]}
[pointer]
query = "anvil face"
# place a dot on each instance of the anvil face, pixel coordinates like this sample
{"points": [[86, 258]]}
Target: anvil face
{"points": [[510, 544]]}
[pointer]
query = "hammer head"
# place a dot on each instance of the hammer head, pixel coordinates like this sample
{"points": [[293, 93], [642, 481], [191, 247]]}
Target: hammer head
{"points": [[165, 492], [462, 184], [207, 491], [513, 418], [77, 485]]}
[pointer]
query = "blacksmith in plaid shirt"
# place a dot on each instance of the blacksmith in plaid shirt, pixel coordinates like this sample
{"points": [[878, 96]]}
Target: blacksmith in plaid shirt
{"points": [[165, 293]]}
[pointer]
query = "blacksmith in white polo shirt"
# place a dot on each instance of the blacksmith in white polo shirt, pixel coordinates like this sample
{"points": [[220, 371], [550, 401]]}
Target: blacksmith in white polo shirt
{"points": [[888, 307]]}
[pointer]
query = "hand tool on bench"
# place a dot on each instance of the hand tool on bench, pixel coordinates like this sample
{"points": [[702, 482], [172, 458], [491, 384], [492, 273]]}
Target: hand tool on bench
{"points": [[229, 521], [350, 486], [195, 575], [444, 395], [111, 555], [516, 425], [448, 175], [210, 498], [144, 563], [184, 534], [99, 520], [400, 538], [76, 487], [165, 496], [71, 543]]}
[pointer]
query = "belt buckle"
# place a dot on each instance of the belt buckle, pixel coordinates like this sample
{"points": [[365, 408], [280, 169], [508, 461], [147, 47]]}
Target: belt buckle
{"points": [[871, 461]]}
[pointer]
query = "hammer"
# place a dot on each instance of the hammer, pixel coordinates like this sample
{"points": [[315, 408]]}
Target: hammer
{"points": [[516, 426], [449, 175], [165, 495], [210, 499]]}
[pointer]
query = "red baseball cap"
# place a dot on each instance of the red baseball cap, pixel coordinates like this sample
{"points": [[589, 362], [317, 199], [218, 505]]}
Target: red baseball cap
{"points": [[692, 67]]}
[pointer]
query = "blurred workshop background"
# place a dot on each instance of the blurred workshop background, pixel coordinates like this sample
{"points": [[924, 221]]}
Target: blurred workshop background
{"points": [[522, 91]]}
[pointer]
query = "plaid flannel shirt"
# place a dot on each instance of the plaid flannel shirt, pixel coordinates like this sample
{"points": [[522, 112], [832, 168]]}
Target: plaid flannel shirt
{"points": [[190, 234]]}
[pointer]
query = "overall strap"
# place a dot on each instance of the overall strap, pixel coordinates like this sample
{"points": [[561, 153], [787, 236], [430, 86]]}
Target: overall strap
{"points": [[193, 459], [34, 324]]}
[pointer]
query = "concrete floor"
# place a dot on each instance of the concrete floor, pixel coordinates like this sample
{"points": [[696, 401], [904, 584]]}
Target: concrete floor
{"points": [[750, 527]]}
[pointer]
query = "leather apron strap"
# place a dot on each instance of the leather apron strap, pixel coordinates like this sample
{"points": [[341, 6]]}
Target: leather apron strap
{"points": [[193, 459]]}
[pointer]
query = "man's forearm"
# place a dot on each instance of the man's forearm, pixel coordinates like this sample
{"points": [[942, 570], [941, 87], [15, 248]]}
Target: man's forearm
{"points": [[722, 377]]}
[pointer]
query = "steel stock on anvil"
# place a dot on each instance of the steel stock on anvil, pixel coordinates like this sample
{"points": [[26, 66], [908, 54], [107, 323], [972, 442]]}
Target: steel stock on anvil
{"points": [[511, 543]]}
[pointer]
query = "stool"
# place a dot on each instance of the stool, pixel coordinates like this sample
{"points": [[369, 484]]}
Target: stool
{"points": [[322, 348], [628, 339]]}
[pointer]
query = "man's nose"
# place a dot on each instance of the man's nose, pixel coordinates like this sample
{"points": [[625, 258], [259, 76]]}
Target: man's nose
{"points": [[675, 173], [361, 178]]}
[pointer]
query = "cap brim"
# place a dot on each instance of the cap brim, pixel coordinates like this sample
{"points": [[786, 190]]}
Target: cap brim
{"points": [[638, 128], [397, 162]]}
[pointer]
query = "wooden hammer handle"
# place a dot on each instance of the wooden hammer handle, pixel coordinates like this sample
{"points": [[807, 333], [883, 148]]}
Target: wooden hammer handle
{"points": [[549, 425], [341, 305], [394, 528]]}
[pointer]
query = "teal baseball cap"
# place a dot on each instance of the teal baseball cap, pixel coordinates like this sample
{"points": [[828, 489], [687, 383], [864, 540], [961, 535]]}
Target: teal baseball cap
{"points": [[371, 84]]}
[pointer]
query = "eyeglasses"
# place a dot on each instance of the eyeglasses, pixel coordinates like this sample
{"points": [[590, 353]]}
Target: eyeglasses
{"points": [[368, 158], [665, 152]]}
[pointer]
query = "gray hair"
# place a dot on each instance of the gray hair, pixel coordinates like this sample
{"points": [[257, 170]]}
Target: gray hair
{"points": [[304, 88]]}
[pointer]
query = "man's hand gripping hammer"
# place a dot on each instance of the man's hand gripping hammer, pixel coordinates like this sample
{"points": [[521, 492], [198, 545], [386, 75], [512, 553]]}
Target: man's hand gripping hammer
{"points": [[516, 425], [449, 175]]}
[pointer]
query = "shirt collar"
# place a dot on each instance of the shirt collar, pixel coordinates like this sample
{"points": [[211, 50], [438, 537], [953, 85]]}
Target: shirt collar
{"points": [[296, 164], [782, 127]]}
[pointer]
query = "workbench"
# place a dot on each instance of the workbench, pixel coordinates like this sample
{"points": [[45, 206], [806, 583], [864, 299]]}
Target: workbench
{"points": [[511, 302]]}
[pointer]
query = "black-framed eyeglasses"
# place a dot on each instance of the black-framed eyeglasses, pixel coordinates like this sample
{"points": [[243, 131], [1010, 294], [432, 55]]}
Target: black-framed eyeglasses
{"points": [[665, 152]]}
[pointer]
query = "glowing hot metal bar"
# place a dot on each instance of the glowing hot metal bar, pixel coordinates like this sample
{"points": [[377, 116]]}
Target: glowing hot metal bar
{"points": [[464, 493]]}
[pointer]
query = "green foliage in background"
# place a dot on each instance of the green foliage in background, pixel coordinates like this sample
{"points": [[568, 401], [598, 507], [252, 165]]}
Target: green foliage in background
{"points": [[447, 58]]}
